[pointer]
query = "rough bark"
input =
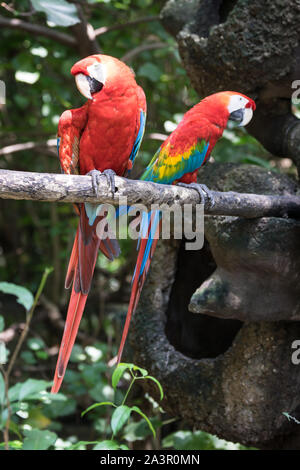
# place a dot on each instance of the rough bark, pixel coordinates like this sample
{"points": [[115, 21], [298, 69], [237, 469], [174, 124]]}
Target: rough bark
{"points": [[78, 188], [216, 326], [249, 46], [223, 375]]}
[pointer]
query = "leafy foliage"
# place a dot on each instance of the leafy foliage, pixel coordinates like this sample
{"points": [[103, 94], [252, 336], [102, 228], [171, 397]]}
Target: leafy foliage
{"points": [[58, 12], [24, 296]]}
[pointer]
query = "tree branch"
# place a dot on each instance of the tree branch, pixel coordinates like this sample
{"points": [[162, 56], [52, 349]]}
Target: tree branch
{"points": [[85, 34], [38, 30], [144, 47], [78, 188], [117, 27], [9, 149]]}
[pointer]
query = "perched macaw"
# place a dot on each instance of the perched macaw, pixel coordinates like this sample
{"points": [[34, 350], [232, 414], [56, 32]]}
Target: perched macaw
{"points": [[103, 136], [177, 161]]}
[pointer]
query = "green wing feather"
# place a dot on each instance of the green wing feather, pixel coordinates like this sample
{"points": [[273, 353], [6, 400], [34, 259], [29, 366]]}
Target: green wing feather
{"points": [[165, 168]]}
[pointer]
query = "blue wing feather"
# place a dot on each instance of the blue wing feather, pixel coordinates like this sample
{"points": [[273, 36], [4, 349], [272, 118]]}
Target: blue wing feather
{"points": [[139, 137], [162, 169]]}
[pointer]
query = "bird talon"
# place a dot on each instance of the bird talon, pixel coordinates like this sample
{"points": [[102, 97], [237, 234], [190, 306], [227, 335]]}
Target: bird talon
{"points": [[95, 174], [110, 178], [203, 191]]}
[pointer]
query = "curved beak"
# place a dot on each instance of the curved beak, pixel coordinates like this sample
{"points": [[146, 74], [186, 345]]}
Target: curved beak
{"points": [[243, 116], [83, 85], [248, 113]]}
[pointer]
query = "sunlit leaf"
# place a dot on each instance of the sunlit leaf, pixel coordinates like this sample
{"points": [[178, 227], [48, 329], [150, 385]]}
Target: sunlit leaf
{"points": [[35, 344], [24, 296], [106, 445], [118, 373], [2, 389], [95, 405], [149, 377], [139, 411], [120, 417], [30, 387], [3, 353], [1, 323], [36, 439], [58, 12]]}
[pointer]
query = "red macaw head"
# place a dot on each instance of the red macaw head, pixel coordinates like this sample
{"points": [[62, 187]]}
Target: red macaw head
{"points": [[240, 108], [229, 105], [97, 71]]}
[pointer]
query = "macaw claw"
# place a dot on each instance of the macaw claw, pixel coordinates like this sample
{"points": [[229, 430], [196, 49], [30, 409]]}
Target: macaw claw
{"points": [[110, 178], [203, 191], [95, 174]]}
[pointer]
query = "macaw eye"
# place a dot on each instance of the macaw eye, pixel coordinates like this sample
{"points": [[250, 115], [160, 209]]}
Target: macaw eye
{"points": [[95, 85]]}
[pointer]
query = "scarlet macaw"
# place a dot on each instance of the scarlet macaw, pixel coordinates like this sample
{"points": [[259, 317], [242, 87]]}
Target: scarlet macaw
{"points": [[103, 136], [177, 161]]}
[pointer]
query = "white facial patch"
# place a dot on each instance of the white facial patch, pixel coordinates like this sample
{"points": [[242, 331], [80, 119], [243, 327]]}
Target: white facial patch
{"points": [[83, 85], [97, 71], [236, 102]]}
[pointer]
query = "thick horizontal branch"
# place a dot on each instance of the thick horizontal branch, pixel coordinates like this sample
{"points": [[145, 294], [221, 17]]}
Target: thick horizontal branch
{"points": [[9, 149], [77, 188], [116, 27], [142, 48], [15, 23]]}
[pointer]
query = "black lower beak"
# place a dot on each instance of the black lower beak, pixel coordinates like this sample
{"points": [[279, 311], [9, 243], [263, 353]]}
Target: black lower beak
{"points": [[94, 85], [237, 116]]}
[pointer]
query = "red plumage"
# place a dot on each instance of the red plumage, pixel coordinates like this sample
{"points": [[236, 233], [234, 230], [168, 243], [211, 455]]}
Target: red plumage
{"points": [[177, 161], [100, 135]]}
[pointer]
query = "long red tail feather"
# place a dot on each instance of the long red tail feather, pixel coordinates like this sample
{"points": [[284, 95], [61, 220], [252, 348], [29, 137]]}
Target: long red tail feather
{"points": [[75, 311], [80, 272], [138, 281]]}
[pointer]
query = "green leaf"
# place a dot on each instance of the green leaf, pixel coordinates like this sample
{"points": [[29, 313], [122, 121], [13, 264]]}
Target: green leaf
{"points": [[107, 445], [124, 447], [38, 440], [28, 357], [2, 390], [143, 372], [42, 355], [139, 430], [35, 344], [58, 12], [3, 353], [29, 387], [198, 440], [24, 296], [1, 323], [150, 71], [139, 411], [13, 445], [13, 427], [119, 418], [157, 383], [118, 372], [121, 368], [95, 405]]}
